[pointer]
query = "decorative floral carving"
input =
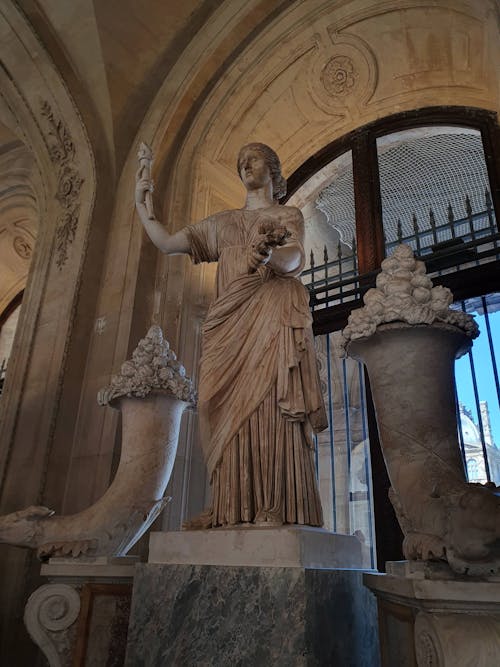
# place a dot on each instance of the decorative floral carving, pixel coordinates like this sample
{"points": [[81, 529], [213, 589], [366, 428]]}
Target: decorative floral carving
{"points": [[62, 153], [69, 186], [65, 235], [153, 366], [61, 148], [404, 293], [343, 73], [339, 75], [22, 247]]}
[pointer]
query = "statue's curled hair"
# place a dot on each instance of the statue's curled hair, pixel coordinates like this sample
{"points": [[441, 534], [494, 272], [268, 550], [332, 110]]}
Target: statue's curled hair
{"points": [[273, 162]]}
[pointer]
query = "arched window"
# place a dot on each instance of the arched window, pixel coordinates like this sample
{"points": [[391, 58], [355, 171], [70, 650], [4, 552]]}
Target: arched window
{"points": [[429, 178]]}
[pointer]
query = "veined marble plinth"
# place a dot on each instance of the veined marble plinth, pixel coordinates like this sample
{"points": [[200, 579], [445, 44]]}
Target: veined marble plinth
{"points": [[287, 546], [430, 617], [81, 616], [187, 615]]}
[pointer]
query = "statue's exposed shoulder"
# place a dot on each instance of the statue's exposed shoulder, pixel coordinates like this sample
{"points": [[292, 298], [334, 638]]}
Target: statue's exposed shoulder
{"points": [[283, 215], [221, 219], [292, 213]]}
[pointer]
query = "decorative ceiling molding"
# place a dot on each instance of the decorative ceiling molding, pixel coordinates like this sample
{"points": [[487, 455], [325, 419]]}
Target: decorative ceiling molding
{"points": [[19, 216], [22, 247], [63, 154]]}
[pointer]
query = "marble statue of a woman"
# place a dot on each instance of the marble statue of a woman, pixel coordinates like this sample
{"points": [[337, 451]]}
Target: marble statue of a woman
{"points": [[259, 394]]}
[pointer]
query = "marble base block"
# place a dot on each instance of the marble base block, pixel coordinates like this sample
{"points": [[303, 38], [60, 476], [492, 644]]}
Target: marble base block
{"points": [[287, 546], [430, 617], [101, 569], [187, 615]]}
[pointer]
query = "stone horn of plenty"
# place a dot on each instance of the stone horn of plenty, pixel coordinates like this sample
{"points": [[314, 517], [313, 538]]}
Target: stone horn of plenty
{"points": [[408, 338], [152, 392]]}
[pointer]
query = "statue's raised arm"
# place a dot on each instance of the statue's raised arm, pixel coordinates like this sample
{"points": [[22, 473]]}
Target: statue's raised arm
{"points": [[171, 244]]}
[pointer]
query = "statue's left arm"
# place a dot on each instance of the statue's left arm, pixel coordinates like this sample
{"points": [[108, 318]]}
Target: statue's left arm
{"points": [[289, 259]]}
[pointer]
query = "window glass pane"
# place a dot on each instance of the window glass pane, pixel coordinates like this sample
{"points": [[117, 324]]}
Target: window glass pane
{"points": [[327, 203], [478, 392], [343, 449], [435, 190]]}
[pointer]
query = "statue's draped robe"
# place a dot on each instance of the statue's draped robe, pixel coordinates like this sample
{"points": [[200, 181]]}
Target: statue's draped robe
{"points": [[259, 393]]}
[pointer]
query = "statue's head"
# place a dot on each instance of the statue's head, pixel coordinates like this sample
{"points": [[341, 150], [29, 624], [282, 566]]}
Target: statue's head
{"points": [[273, 164]]}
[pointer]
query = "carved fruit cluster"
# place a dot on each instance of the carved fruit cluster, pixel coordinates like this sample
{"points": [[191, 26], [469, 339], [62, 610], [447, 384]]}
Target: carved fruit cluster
{"points": [[404, 293], [154, 366]]}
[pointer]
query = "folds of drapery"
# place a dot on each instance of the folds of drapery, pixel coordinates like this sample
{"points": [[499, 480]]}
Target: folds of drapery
{"points": [[266, 474], [257, 334]]}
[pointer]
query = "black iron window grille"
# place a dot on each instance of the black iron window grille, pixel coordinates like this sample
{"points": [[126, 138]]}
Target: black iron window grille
{"points": [[457, 244]]}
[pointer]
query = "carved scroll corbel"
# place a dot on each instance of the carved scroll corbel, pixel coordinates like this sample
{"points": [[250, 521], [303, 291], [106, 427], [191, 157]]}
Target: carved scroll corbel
{"points": [[48, 616]]}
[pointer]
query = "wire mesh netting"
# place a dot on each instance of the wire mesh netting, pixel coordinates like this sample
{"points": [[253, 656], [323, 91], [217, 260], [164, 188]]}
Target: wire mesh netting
{"points": [[419, 170]]}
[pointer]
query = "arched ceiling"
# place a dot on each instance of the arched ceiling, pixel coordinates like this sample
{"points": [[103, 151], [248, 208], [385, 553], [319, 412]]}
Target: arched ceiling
{"points": [[119, 51], [18, 215], [200, 78], [264, 60]]}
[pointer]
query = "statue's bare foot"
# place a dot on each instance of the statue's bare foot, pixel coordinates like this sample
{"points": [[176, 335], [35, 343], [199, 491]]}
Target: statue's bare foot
{"points": [[200, 522], [268, 518]]}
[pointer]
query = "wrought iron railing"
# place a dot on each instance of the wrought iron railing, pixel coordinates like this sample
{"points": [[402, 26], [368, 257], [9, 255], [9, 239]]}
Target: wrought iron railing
{"points": [[478, 392], [454, 244], [342, 450]]}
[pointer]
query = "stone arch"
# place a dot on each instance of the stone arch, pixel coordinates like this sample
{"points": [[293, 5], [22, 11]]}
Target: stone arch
{"points": [[38, 109], [43, 122]]}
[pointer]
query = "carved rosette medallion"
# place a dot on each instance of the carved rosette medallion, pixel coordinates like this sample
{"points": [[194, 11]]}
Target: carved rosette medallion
{"points": [[22, 247], [62, 154], [343, 73], [339, 76]]}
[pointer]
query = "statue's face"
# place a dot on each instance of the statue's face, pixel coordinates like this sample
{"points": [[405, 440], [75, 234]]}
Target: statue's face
{"points": [[253, 168]]}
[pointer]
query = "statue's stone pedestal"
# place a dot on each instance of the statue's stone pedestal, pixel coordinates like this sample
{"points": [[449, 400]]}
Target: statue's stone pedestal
{"points": [[287, 546], [429, 617], [81, 616], [227, 610]]}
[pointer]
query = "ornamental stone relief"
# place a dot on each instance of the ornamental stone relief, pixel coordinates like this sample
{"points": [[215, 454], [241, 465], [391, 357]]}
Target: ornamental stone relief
{"points": [[22, 247], [339, 76], [50, 618], [62, 153], [343, 75], [427, 645]]}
